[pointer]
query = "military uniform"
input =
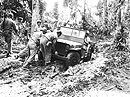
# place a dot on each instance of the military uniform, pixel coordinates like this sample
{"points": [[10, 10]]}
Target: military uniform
{"points": [[31, 47], [8, 27], [48, 38], [22, 31], [38, 26]]}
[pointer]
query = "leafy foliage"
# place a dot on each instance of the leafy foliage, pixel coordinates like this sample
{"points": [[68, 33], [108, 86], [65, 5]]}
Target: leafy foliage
{"points": [[55, 10], [42, 7], [66, 3], [18, 8]]}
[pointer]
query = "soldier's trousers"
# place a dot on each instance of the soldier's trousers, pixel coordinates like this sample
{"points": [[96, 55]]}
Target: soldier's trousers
{"points": [[8, 38], [31, 50], [46, 50]]}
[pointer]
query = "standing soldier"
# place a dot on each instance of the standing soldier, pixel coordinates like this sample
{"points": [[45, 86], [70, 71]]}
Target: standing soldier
{"points": [[21, 30], [8, 27], [88, 48], [38, 26]]}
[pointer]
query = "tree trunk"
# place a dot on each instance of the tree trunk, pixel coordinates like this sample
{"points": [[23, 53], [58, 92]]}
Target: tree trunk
{"points": [[119, 17], [105, 12], [119, 10], [35, 14]]}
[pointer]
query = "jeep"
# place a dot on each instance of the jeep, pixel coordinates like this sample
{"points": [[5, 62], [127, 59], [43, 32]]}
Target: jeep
{"points": [[70, 45]]}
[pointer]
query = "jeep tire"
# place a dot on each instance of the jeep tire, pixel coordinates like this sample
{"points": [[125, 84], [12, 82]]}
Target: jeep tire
{"points": [[74, 58]]}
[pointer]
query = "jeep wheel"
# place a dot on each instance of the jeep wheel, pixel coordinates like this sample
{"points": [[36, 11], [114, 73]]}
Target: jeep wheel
{"points": [[74, 58]]}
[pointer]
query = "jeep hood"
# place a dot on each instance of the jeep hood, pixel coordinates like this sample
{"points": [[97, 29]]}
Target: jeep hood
{"points": [[71, 43]]}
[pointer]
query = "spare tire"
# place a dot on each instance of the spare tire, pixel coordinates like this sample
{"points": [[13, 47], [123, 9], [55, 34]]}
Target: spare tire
{"points": [[74, 58]]}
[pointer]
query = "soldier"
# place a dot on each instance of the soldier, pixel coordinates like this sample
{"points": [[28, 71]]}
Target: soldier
{"points": [[32, 47], [86, 48], [22, 31], [45, 41], [8, 27], [46, 25], [38, 26]]}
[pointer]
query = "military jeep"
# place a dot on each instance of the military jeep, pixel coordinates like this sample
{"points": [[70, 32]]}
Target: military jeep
{"points": [[70, 45]]}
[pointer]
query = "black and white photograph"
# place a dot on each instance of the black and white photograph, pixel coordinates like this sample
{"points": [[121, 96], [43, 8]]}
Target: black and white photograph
{"points": [[64, 48]]}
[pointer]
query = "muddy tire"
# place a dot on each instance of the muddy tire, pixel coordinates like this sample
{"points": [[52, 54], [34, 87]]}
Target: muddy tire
{"points": [[74, 58]]}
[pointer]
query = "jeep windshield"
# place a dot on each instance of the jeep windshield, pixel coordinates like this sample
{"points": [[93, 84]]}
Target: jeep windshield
{"points": [[72, 35]]}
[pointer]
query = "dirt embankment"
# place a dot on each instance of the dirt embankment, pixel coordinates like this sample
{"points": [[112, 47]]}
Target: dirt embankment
{"points": [[104, 76]]}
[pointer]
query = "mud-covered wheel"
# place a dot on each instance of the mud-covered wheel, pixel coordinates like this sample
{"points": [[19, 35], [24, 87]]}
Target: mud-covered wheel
{"points": [[74, 58]]}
